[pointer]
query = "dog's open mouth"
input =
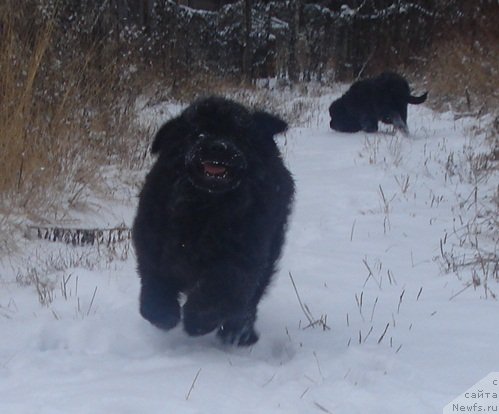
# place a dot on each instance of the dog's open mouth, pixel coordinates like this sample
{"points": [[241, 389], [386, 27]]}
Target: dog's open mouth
{"points": [[215, 169], [217, 175]]}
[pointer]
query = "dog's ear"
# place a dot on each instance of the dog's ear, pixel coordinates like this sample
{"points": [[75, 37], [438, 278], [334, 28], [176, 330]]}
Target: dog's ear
{"points": [[171, 130], [269, 124]]}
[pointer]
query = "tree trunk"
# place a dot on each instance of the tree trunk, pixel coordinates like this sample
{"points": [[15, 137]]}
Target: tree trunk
{"points": [[293, 69], [247, 52]]}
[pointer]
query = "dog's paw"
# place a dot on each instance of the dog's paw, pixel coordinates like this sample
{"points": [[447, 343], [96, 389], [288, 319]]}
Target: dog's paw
{"points": [[165, 317], [238, 332], [200, 321], [243, 337]]}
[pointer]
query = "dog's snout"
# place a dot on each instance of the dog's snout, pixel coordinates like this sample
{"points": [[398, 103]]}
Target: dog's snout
{"points": [[215, 164], [217, 146], [217, 149], [221, 150]]}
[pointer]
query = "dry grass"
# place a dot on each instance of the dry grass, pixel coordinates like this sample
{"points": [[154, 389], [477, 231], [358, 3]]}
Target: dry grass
{"points": [[464, 76], [19, 67], [62, 117], [48, 271], [472, 247]]}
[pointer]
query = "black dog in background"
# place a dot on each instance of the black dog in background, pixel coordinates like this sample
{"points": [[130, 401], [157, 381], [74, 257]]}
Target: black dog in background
{"points": [[211, 219], [368, 101]]}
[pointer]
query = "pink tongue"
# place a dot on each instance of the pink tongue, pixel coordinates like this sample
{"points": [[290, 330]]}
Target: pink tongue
{"points": [[213, 169]]}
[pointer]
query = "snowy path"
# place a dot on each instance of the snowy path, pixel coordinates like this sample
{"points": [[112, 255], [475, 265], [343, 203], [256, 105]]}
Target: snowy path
{"points": [[391, 341]]}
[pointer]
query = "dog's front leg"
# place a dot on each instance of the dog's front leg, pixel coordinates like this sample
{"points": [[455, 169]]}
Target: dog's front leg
{"points": [[159, 301], [219, 297]]}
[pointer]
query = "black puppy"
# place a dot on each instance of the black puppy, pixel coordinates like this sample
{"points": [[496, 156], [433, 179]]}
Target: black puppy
{"points": [[211, 219], [368, 101]]}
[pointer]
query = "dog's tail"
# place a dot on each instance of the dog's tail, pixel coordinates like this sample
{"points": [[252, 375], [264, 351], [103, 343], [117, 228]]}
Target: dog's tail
{"points": [[416, 100]]}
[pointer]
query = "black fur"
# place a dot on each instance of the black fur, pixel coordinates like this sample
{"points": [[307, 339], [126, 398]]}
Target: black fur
{"points": [[211, 219], [368, 101]]}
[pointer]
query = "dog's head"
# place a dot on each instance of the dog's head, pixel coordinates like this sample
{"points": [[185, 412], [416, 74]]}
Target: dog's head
{"points": [[217, 142]]}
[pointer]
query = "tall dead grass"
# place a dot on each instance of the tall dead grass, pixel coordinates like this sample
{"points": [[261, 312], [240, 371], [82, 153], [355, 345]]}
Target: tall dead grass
{"points": [[19, 66], [62, 116], [463, 75]]}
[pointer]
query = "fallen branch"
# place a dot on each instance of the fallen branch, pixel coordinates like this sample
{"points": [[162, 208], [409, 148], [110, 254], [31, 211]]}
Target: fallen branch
{"points": [[80, 236]]}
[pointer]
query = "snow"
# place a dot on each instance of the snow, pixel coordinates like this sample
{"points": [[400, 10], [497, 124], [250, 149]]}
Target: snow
{"points": [[392, 331]]}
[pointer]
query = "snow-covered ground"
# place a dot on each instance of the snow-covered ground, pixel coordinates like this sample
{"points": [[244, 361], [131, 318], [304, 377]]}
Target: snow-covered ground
{"points": [[391, 331]]}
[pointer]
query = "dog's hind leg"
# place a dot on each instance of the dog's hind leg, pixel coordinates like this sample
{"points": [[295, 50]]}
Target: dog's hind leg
{"points": [[399, 123]]}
